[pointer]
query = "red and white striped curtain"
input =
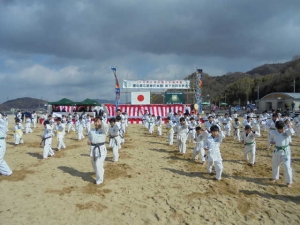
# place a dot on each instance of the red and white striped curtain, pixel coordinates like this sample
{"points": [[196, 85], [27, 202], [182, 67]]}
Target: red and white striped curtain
{"points": [[139, 110]]}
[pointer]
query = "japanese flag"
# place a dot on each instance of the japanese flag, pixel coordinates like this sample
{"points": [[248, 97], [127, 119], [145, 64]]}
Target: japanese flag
{"points": [[138, 98]]}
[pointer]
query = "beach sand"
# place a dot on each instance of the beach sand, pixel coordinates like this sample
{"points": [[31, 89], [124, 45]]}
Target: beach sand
{"points": [[151, 184]]}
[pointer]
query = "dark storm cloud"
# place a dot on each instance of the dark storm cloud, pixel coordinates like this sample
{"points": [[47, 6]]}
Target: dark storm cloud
{"points": [[96, 29], [64, 47]]}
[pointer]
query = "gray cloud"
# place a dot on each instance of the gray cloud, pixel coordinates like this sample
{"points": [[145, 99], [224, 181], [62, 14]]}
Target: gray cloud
{"points": [[71, 44]]}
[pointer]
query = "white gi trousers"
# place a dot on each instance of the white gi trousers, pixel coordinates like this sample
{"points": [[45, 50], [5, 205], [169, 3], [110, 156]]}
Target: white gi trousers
{"points": [[236, 134], [97, 159], [250, 149], [47, 148], [61, 143], [159, 132], [218, 167], [284, 157], [18, 137], [170, 134], [115, 143], [181, 143], [199, 150], [70, 127], [4, 168], [191, 135]]}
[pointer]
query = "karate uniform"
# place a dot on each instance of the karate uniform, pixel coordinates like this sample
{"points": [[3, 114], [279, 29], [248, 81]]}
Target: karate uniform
{"points": [[28, 126], [47, 141], [181, 137], [70, 124], [4, 168], [236, 130], [282, 154], [270, 124], [123, 123], [34, 118], [151, 124], [158, 123], [79, 128], [199, 148], [118, 123], [250, 145], [18, 133], [115, 141], [226, 121], [88, 124], [191, 132], [98, 153], [213, 155], [170, 132], [60, 133]]}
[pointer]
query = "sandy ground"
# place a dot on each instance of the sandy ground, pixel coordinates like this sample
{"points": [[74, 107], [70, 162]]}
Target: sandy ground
{"points": [[151, 184]]}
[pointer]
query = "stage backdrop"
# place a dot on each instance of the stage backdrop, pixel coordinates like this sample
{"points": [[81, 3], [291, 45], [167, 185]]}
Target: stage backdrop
{"points": [[135, 112]]}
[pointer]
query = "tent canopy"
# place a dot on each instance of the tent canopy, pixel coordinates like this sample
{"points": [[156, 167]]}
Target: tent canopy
{"points": [[88, 102], [63, 101], [205, 103], [223, 103]]}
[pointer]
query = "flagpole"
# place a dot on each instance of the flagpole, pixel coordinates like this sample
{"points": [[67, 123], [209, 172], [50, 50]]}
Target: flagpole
{"points": [[198, 89], [117, 87]]}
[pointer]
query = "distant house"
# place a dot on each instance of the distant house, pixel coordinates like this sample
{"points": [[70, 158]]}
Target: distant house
{"points": [[279, 100]]}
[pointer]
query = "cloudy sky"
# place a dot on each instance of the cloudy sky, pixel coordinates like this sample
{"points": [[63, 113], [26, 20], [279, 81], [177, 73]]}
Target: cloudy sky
{"points": [[52, 49]]}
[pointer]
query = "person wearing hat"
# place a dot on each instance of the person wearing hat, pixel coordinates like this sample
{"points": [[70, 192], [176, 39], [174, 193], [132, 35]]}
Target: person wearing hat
{"points": [[4, 168]]}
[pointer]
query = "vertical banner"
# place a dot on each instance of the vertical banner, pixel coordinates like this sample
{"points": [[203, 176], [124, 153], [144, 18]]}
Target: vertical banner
{"points": [[198, 89], [118, 92]]}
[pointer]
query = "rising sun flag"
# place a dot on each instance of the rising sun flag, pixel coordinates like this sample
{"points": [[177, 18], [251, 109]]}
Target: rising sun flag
{"points": [[117, 88]]}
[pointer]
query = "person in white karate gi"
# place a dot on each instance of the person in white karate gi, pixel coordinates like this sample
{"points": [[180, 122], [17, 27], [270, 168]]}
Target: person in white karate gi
{"points": [[47, 140], [248, 138], [34, 118], [60, 133], [98, 152], [270, 125], [4, 168], [70, 123], [28, 125], [226, 121], [18, 132], [236, 129], [181, 130], [191, 130], [170, 130], [213, 154], [79, 128], [201, 135], [280, 138], [88, 122], [158, 123], [151, 123], [114, 139]]}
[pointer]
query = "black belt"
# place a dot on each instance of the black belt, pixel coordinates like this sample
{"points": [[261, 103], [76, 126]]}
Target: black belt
{"points": [[2, 137], [96, 146]]}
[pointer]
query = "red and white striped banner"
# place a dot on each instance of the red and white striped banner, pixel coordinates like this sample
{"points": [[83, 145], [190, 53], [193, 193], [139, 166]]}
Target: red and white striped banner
{"points": [[139, 110]]}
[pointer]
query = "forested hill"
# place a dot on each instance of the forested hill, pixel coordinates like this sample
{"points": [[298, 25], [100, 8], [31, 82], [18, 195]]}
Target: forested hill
{"points": [[235, 88]]}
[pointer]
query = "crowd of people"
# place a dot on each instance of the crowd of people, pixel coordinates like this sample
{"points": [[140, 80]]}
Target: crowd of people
{"points": [[207, 134]]}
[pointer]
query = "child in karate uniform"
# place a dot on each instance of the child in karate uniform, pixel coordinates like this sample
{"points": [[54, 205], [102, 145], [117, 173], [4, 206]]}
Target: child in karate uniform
{"points": [[114, 139], [248, 139], [18, 132], [213, 154], [170, 130], [282, 152], [201, 135]]}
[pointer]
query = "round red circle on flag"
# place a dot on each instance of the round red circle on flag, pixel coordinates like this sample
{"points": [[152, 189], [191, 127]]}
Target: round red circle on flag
{"points": [[140, 98]]}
